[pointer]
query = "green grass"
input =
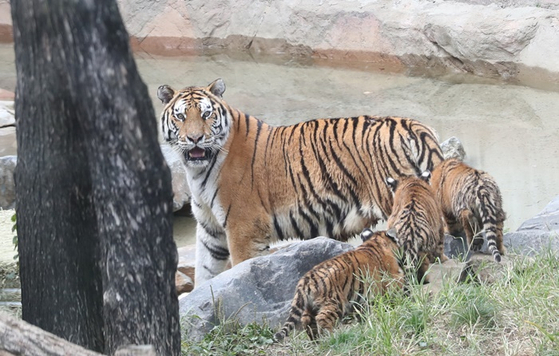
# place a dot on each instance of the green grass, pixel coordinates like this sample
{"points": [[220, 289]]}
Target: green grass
{"points": [[518, 314]]}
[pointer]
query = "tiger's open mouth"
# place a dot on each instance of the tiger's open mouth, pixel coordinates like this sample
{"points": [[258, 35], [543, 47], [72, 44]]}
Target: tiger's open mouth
{"points": [[196, 154]]}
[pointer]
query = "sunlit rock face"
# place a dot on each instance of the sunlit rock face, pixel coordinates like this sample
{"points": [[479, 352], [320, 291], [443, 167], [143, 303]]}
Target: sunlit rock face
{"points": [[488, 38]]}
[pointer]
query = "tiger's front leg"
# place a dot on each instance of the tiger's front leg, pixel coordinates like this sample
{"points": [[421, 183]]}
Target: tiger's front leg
{"points": [[212, 253], [248, 239]]}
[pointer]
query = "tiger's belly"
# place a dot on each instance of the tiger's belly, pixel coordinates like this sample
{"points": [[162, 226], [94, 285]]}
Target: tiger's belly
{"points": [[339, 224]]}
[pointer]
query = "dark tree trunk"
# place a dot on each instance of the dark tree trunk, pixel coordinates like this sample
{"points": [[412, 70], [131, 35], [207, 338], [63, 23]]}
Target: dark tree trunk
{"points": [[93, 192]]}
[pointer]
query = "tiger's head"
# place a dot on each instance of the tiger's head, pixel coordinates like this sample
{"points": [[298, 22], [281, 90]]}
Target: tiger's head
{"points": [[195, 121], [393, 183]]}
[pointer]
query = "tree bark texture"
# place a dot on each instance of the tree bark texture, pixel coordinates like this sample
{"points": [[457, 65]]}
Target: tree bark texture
{"points": [[24, 339], [93, 191], [21, 338]]}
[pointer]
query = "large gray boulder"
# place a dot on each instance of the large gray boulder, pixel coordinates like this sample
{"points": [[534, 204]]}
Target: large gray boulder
{"points": [[541, 231], [7, 186], [257, 290]]}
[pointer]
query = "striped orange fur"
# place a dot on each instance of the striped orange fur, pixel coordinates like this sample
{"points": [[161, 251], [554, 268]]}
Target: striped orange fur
{"points": [[471, 202], [417, 218], [253, 184], [326, 292]]}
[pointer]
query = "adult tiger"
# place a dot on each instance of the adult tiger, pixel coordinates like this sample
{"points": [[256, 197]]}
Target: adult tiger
{"points": [[253, 184]]}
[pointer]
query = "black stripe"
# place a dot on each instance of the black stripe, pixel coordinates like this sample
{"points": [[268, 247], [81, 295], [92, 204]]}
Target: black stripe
{"points": [[298, 231], [217, 252], [258, 128], [211, 231], [226, 217], [209, 170], [213, 198], [278, 229], [312, 226], [247, 123]]}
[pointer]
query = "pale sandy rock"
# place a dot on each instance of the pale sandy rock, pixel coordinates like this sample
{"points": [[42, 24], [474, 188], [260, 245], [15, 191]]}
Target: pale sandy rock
{"points": [[7, 184], [483, 37], [187, 260], [7, 95], [7, 111], [183, 283], [489, 38], [482, 268], [442, 273]]}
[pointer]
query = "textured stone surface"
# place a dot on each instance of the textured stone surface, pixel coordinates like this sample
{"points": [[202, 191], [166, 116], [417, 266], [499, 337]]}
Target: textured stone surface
{"points": [[482, 268], [181, 192], [185, 269], [7, 187], [477, 36], [256, 290], [490, 38], [183, 283], [539, 232], [452, 148]]}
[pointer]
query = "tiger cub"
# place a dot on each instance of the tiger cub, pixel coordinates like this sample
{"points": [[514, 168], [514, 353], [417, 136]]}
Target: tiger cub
{"points": [[417, 218], [471, 203], [325, 293]]}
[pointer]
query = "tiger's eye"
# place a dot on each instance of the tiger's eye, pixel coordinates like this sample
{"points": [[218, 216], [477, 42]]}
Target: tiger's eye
{"points": [[179, 117], [206, 114]]}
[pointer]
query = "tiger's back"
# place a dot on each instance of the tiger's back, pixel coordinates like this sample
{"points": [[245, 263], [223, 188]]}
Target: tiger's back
{"points": [[325, 293], [471, 202], [320, 177], [417, 218]]}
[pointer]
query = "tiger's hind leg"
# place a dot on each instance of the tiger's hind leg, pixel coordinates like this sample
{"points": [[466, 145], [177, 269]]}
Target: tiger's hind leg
{"points": [[471, 228], [439, 249], [499, 238], [330, 312], [308, 322]]}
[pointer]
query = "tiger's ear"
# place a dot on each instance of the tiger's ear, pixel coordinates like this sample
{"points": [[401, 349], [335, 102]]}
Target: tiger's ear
{"points": [[217, 87], [392, 183], [426, 176], [366, 234], [165, 93]]}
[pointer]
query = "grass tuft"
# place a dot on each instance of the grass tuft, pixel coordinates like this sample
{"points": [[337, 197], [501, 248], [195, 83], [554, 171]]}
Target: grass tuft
{"points": [[515, 315]]}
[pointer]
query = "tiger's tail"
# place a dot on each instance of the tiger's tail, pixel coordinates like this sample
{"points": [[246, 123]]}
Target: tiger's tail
{"points": [[488, 216], [294, 318]]}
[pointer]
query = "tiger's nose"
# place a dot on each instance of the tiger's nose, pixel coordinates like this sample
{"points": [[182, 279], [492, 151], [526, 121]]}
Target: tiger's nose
{"points": [[195, 138]]}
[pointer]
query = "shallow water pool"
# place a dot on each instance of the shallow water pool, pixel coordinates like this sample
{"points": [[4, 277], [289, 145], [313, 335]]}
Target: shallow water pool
{"points": [[510, 131]]}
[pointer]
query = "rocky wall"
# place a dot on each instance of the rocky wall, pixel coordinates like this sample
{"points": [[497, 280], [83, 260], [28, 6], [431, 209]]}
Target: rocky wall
{"points": [[515, 40]]}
